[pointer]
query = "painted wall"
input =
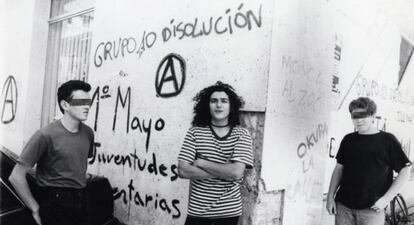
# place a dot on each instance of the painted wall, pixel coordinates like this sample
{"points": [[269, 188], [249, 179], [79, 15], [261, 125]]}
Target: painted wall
{"points": [[23, 29], [297, 126], [366, 64], [355, 52], [366, 57], [297, 64], [146, 67]]}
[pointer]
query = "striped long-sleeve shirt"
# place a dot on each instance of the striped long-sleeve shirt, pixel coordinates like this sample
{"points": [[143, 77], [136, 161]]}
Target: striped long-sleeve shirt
{"points": [[215, 197]]}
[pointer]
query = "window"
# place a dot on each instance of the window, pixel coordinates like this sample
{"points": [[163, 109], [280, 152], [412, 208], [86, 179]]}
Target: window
{"points": [[68, 50]]}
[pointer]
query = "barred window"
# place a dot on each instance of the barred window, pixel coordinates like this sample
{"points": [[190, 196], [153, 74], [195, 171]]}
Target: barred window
{"points": [[68, 50]]}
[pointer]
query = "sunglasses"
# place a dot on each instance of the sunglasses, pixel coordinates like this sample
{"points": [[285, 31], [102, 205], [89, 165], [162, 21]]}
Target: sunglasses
{"points": [[80, 102], [360, 115]]}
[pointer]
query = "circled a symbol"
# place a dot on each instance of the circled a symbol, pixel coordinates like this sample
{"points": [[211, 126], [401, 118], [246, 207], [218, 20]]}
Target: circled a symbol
{"points": [[170, 77]]}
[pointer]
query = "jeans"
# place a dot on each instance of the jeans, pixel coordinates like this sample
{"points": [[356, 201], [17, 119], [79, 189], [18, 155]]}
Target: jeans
{"points": [[347, 216], [209, 221], [64, 206]]}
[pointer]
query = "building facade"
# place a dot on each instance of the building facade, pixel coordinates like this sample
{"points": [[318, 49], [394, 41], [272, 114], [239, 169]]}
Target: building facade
{"points": [[297, 64]]}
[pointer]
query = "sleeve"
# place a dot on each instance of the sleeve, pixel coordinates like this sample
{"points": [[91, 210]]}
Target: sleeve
{"points": [[188, 150], [340, 156], [398, 159], [243, 150], [33, 150]]}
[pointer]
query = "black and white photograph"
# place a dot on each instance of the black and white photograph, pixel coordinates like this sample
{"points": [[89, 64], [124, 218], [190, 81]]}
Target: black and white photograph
{"points": [[179, 112]]}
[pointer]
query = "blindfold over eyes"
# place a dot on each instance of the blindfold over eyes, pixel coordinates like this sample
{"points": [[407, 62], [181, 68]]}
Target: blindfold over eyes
{"points": [[359, 115], [78, 102]]}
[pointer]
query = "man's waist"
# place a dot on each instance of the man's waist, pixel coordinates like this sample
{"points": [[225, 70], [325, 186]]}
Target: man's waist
{"points": [[61, 181], [63, 192], [357, 200]]}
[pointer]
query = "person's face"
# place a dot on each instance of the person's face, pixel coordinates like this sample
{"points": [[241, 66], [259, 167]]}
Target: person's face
{"points": [[219, 106], [362, 120], [78, 106]]}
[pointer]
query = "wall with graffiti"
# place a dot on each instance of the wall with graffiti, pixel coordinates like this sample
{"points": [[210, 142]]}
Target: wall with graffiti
{"points": [[297, 64], [147, 64], [370, 60], [20, 102], [10, 122], [11, 77], [354, 52], [297, 126]]}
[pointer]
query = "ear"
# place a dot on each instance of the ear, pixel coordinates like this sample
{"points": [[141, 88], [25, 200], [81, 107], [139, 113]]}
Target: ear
{"points": [[374, 118], [64, 104]]}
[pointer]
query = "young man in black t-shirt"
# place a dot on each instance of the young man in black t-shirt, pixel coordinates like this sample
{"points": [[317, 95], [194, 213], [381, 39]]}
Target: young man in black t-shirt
{"points": [[362, 182]]}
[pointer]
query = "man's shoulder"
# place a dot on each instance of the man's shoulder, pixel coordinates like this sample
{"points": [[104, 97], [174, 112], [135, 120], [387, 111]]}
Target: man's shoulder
{"points": [[352, 135], [55, 127], [387, 134], [240, 129], [88, 129], [49, 129], [197, 129]]}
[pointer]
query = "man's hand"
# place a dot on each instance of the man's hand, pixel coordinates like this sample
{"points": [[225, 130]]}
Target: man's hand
{"points": [[18, 180], [379, 205], [36, 217], [190, 171], [229, 171], [331, 206]]}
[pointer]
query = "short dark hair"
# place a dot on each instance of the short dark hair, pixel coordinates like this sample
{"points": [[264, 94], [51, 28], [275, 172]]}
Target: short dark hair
{"points": [[202, 115], [363, 103], [65, 91]]}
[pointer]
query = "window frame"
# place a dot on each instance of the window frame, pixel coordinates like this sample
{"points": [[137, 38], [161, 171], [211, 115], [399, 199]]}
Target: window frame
{"points": [[49, 101]]}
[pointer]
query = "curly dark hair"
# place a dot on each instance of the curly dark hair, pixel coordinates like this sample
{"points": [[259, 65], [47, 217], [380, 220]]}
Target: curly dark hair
{"points": [[65, 91], [363, 103], [202, 115]]}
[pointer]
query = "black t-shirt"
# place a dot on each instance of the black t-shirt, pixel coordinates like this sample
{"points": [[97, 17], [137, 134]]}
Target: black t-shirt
{"points": [[369, 162]]}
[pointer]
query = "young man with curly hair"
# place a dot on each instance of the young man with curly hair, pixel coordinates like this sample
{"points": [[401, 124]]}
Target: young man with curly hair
{"points": [[214, 155]]}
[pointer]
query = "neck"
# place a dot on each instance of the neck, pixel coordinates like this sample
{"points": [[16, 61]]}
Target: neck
{"points": [[220, 126], [369, 131], [70, 123], [220, 123]]}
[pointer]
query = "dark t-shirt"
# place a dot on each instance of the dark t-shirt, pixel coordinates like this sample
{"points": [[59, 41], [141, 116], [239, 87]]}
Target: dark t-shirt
{"points": [[369, 162], [61, 156]]}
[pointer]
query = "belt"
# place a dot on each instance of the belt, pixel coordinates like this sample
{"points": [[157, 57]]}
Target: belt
{"points": [[64, 193]]}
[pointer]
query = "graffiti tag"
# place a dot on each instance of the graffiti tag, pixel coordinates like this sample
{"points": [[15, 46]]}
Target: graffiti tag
{"points": [[9, 97]]}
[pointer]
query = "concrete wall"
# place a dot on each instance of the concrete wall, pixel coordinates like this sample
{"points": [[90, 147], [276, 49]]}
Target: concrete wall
{"points": [[366, 56], [352, 49], [23, 29], [297, 125], [146, 67], [296, 63]]}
